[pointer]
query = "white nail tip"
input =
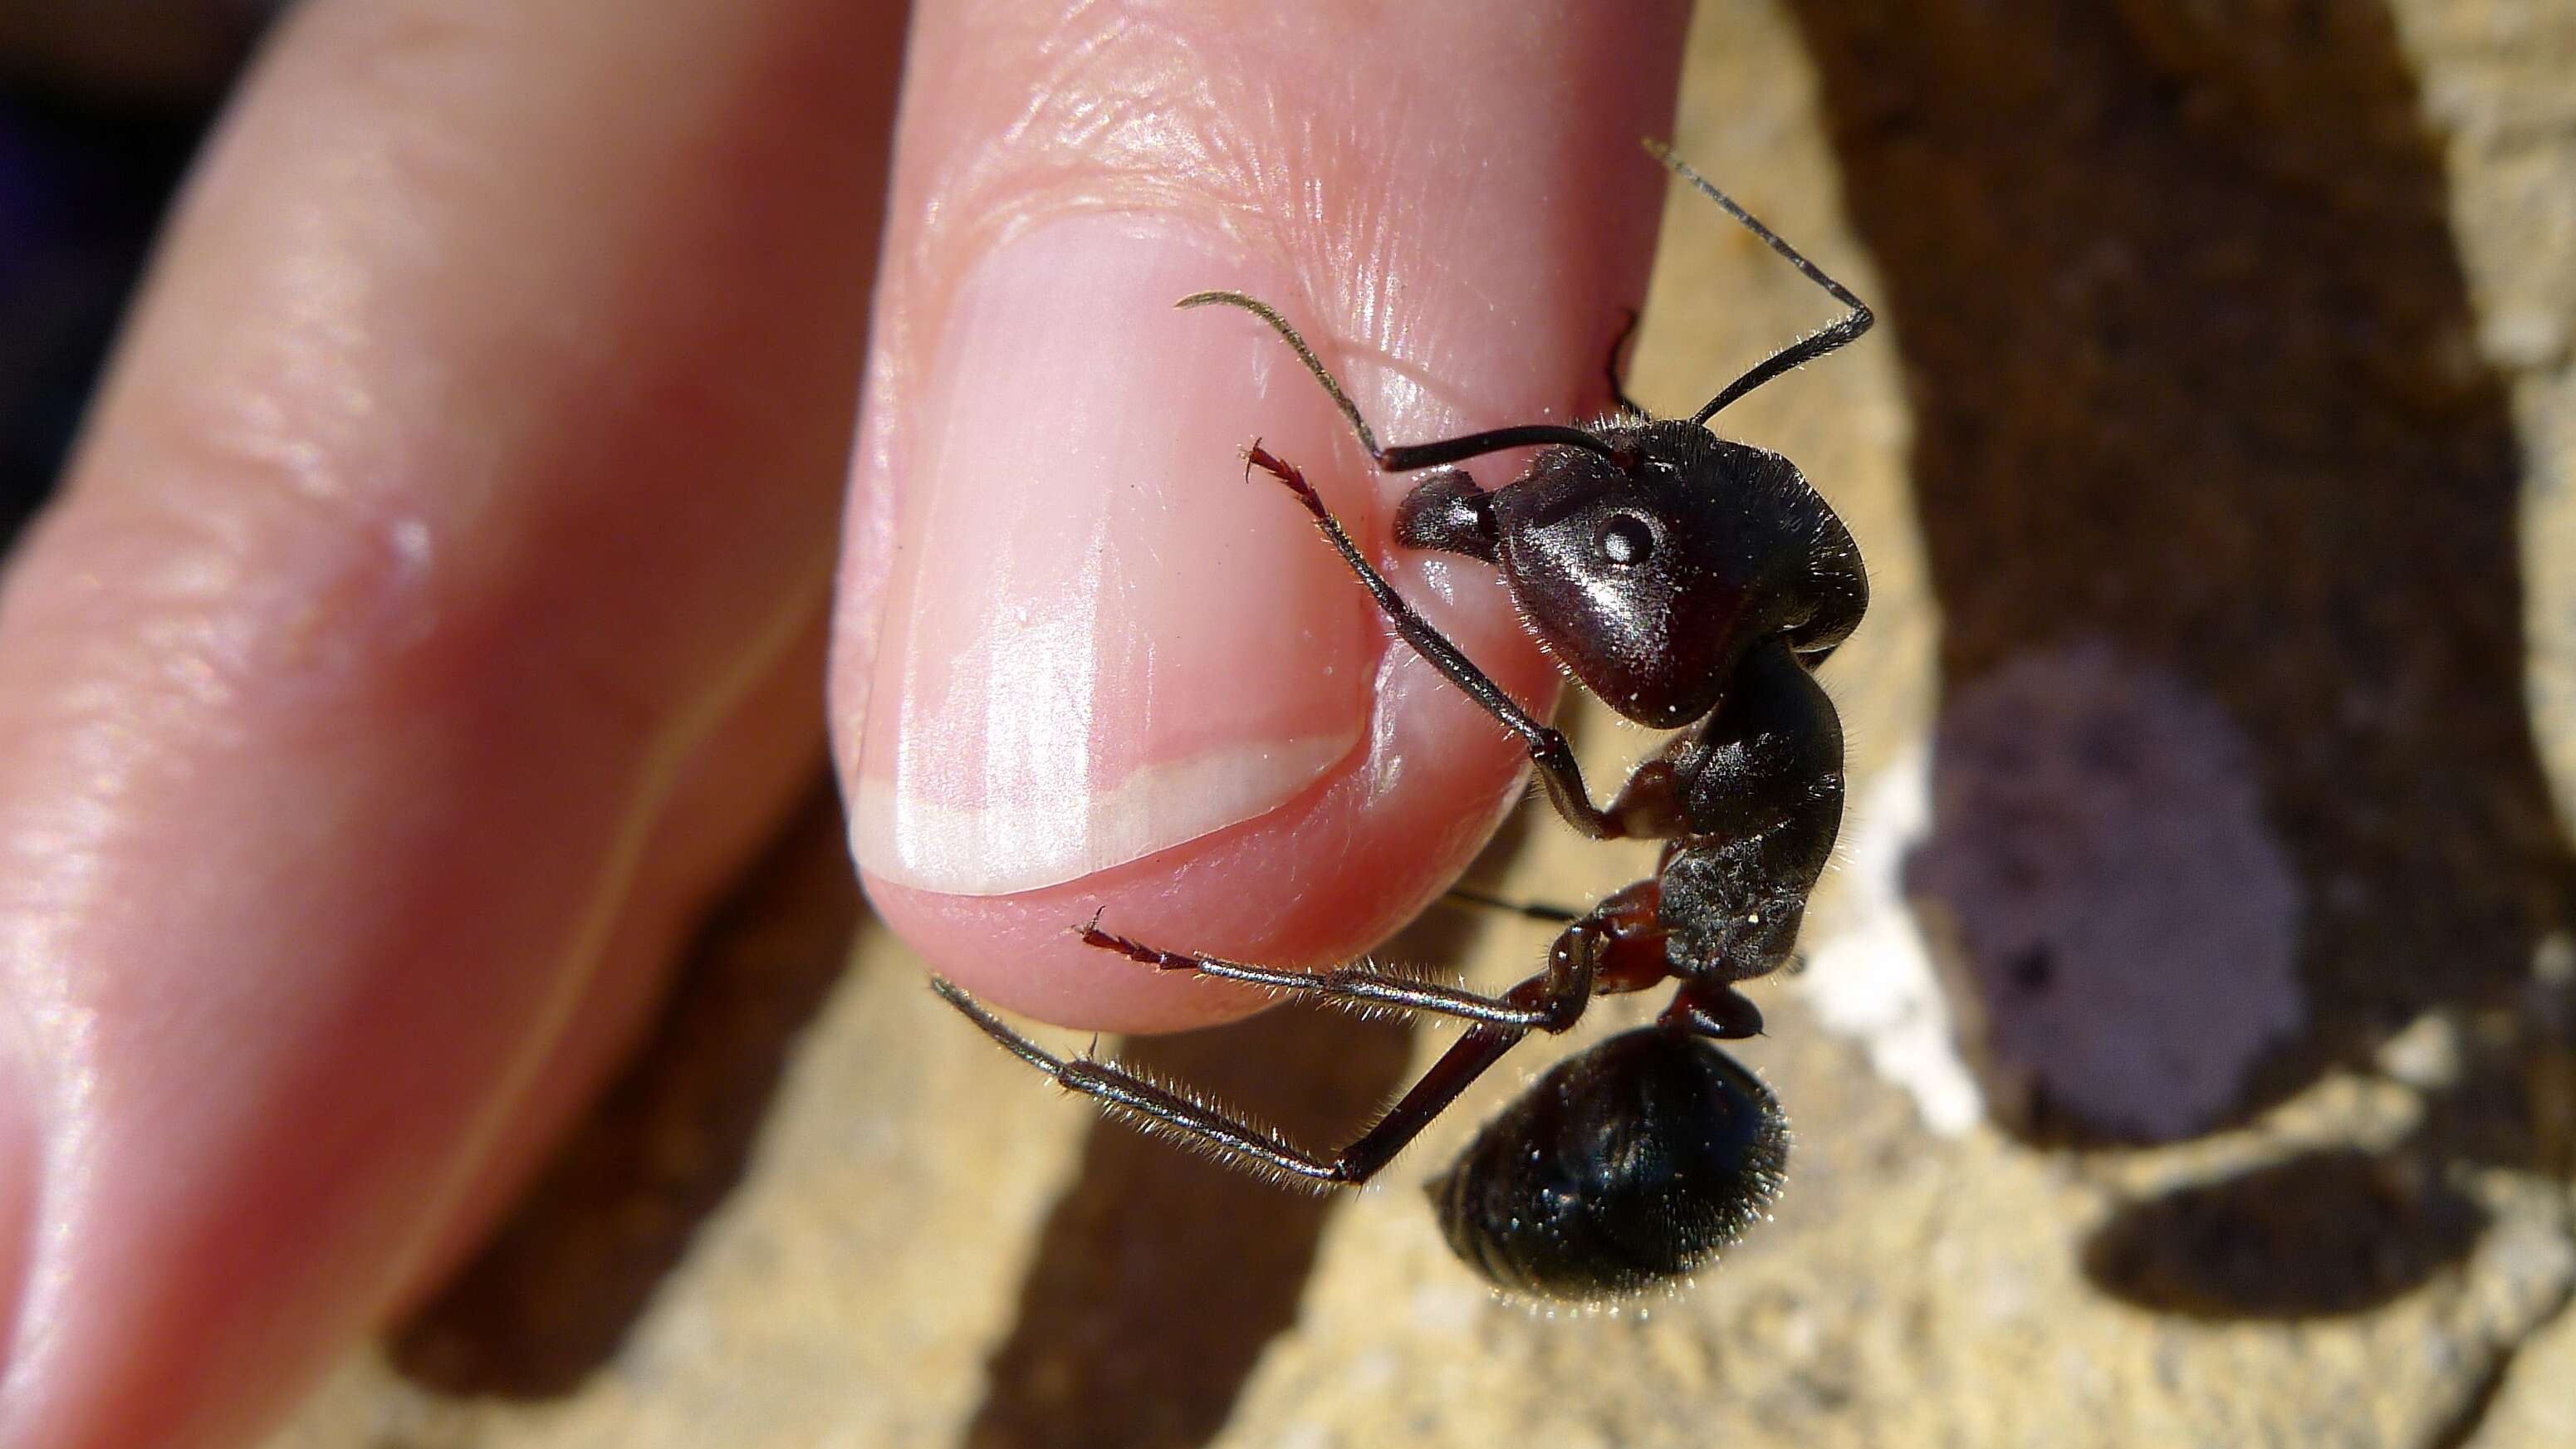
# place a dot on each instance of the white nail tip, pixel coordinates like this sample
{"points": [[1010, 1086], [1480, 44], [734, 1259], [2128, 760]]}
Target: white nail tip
{"points": [[1040, 838]]}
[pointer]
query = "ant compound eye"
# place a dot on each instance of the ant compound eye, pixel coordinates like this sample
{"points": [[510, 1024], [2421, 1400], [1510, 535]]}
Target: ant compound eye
{"points": [[1624, 539]]}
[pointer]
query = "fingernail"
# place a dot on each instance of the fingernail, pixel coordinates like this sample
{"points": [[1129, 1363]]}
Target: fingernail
{"points": [[1100, 641]]}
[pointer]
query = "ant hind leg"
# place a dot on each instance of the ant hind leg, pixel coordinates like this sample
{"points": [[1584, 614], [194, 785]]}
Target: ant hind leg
{"points": [[1230, 1137]]}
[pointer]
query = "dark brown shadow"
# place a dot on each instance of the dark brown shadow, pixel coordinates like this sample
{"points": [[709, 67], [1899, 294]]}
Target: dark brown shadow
{"points": [[548, 1301], [2338, 1231], [2198, 412], [1161, 1276]]}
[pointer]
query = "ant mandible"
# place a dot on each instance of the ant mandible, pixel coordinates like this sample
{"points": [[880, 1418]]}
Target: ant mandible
{"points": [[1682, 578]]}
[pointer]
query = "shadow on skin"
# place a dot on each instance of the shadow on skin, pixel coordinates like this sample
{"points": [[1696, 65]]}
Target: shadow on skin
{"points": [[2193, 374], [548, 1301]]}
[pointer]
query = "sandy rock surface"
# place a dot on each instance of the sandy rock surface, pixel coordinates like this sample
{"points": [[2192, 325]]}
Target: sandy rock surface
{"points": [[2187, 1053]]}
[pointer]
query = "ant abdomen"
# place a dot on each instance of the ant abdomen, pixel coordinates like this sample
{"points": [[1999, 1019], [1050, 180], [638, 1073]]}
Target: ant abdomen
{"points": [[1622, 1168]]}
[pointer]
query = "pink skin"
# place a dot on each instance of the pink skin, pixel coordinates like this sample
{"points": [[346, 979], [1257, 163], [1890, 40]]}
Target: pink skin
{"points": [[433, 622]]}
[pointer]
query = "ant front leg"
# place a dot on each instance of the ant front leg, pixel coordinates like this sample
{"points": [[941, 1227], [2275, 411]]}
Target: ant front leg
{"points": [[1558, 773]]}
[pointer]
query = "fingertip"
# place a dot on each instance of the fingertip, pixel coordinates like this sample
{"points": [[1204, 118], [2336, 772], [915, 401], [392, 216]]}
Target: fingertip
{"points": [[1317, 881], [1025, 954]]}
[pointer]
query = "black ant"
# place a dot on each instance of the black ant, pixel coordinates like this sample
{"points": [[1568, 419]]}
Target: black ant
{"points": [[1682, 578]]}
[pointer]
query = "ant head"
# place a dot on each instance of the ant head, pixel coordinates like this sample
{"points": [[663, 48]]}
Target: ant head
{"points": [[1650, 564]]}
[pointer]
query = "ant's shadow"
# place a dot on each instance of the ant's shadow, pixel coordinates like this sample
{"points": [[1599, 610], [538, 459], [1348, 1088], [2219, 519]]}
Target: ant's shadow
{"points": [[1161, 1275], [2204, 447]]}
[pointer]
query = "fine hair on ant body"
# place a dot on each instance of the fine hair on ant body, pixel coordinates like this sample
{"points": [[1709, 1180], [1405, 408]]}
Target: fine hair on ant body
{"points": [[1693, 584]]}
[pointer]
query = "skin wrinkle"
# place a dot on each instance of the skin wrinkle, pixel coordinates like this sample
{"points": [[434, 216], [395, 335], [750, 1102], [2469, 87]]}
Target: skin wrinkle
{"points": [[363, 586], [301, 408], [304, 453], [400, 600], [208, 646], [1167, 144]]}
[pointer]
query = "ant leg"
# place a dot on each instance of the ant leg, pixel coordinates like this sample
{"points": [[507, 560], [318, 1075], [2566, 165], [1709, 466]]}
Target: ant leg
{"points": [[1618, 346], [1457, 1069], [1558, 773], [1534, 910], [1550, 1001], [1243, 1143]]}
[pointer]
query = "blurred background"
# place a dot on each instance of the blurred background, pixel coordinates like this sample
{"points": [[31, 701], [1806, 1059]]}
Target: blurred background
{"points": [[2186, 1050]]}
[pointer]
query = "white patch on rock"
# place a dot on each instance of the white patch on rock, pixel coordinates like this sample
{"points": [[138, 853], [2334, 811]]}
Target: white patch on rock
{"points": [[1869, 974]]}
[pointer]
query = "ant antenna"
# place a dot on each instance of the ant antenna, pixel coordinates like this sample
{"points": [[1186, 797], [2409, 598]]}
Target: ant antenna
{"points": [[1806, 349], [1419, 455], [1305, 354]]}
